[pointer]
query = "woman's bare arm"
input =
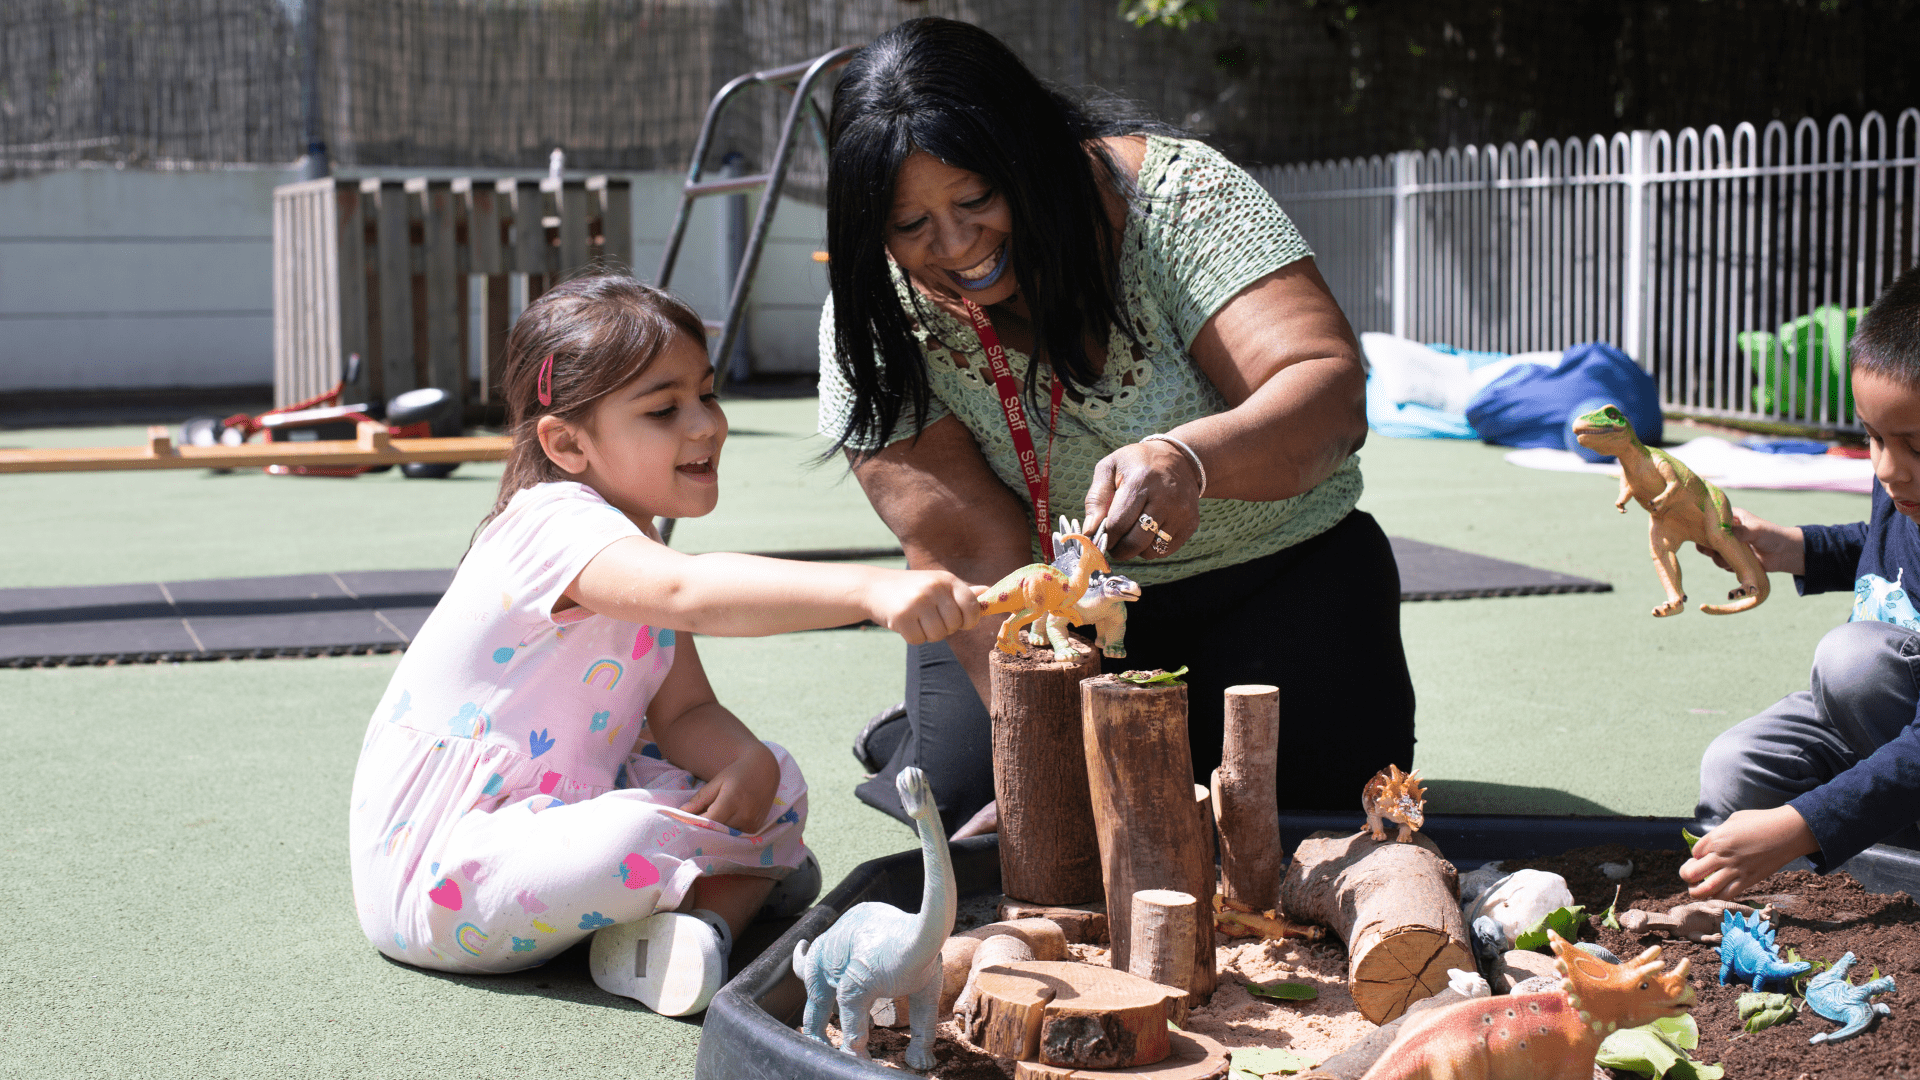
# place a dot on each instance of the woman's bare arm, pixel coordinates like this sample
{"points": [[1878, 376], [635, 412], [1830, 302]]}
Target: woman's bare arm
{"points": [[951, 513]]}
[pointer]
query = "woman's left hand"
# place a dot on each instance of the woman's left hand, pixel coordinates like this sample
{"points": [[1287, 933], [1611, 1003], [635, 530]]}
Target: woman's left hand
{"points": [[1154, 480]]}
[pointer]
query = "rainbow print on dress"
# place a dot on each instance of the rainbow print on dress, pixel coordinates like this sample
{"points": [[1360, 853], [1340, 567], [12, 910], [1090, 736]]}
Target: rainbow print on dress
{"points": [[472, 939], [605, 670]]}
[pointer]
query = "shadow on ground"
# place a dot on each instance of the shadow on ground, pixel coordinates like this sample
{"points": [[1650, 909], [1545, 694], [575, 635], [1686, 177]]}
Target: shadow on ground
{"points": [[1481, 797]]}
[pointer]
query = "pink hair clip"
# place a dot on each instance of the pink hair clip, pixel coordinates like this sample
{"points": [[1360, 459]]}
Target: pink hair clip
{"points": [[543, 383]]}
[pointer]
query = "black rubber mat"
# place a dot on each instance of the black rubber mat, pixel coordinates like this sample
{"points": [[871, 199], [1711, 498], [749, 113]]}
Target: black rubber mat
{"points": [[374, 611]]}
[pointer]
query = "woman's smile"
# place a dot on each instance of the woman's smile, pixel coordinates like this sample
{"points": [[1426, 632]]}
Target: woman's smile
{"points": [[986, 272]]}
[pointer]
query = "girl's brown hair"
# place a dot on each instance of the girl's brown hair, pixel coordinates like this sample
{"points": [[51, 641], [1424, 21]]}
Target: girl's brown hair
{"points": [[602, 332]]}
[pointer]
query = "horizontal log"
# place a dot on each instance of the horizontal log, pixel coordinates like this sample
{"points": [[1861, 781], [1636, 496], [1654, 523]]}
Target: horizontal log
{"points": [[254, 454]]}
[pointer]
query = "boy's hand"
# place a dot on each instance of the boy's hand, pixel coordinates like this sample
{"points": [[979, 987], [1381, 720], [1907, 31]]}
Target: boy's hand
{"points": [[922, 605], [1745, 850], [1782, 548], [740, 795]]}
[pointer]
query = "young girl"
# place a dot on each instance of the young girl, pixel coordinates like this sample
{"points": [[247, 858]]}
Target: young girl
{"points": [[549, 760]]}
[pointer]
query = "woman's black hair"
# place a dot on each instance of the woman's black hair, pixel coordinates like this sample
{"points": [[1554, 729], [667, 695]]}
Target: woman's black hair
{"points": [[957, 92]]}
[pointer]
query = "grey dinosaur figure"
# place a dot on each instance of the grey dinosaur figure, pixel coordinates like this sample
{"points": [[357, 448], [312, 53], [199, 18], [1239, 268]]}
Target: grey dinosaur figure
{"points": [[1833, 995], [878, 951], [1103, 606], [1747, 950]]}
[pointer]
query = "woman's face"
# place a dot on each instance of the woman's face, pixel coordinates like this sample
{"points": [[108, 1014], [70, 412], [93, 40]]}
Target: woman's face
{"points": [[951, 231]]}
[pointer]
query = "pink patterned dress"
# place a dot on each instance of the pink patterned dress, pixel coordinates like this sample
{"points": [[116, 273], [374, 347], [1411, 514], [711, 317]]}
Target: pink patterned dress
{"points": [[509, 799]]}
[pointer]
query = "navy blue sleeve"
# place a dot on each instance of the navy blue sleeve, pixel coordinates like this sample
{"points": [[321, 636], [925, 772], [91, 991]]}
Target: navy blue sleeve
{"points": [[1866, 803], [1833, 557]]}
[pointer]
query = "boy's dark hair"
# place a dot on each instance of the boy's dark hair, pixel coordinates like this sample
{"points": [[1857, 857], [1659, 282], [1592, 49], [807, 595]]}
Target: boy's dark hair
{"points": [[1887, 341], [957, 92], [602, 332]]}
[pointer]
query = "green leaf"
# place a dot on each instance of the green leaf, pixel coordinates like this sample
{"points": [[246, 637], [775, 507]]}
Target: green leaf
{"points": [[1285, 991], [1688, 837], [1610, 922], [1260, 1061], [1564, 921], [1242, 1074], [1155, 677], [1762, 1011], [1175, 14], [1658, 1049]]}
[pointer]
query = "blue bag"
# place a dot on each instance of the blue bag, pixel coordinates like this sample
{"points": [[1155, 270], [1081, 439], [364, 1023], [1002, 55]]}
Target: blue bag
{"points": [[1533, 406]]}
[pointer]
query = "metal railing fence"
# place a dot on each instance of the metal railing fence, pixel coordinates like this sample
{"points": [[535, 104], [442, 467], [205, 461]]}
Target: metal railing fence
{"points": [[1731, 266]]}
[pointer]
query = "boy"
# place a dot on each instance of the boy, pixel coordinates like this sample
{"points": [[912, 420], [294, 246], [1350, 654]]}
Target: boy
{"points": [[1832, 769]]}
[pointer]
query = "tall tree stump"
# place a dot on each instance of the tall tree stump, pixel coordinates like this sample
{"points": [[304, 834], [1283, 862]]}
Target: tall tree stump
{"points": [[1244, 797], [1140, 770], [1047, 849], [1397, 906]]}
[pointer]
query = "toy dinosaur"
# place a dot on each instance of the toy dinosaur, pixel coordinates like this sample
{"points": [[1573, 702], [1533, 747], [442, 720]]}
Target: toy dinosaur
{"points": [[1036, 591], [1833, 995], [878, 951], [1748, 952], [1104, 607], [1697, 922], [1549, 1036], [1394, 796], [1681, 507]]}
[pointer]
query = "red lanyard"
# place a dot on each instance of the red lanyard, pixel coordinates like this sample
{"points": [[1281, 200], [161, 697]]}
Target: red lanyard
{"points": [[1032, 467]]}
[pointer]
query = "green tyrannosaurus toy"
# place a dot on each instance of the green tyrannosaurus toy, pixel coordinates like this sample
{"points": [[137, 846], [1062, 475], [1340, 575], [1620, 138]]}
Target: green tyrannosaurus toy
{"points": [[1681, 507]]}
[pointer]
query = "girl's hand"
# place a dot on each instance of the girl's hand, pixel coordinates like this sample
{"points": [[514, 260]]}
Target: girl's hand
{"points": [[922, 605], [1782, 548], [740, 795], [1746, 849], [1153, 479]]}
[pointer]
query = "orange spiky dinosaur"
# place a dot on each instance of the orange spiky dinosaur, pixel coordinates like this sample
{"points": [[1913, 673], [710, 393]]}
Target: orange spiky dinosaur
{"points": [[1033, 592], [1394, 796], [1550, 1036]]}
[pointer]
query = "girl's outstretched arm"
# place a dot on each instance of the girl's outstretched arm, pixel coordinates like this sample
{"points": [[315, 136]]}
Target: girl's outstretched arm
{"points": [[726, 595], [697, 733]]}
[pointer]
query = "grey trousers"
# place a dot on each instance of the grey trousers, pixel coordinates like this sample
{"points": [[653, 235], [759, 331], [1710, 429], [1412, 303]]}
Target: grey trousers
{"points": [[1863, 692]]}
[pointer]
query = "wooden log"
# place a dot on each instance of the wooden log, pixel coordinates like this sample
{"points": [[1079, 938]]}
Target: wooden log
{"points": [[1085, 924], [1244, 802], [1043, 936], [1397, 906], [1077, 1015], [1047, 849], [1191, 1056], [993, 952], [1163, 932], [1140, 773]]}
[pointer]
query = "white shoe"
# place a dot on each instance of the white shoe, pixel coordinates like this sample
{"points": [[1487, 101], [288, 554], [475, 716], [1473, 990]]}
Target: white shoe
{"points": [[669, 962]]}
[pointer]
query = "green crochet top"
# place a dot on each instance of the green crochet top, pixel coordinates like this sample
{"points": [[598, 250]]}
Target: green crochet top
{"points": [[1202, 231]]}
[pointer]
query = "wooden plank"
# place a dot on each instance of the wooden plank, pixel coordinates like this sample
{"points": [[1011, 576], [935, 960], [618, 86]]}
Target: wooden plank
{"points": [[573, 227], [434, 202], [350, 283], [483, 227], [612, 203], [497, 324], [159, 453], [395, 269], [529, 235]]}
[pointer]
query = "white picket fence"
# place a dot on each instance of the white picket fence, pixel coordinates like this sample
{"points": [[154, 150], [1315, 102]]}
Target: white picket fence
{"points": [[1729, 266]]}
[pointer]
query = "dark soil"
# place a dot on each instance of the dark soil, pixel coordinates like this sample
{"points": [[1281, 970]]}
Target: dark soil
{"points": [[1822, 917]]}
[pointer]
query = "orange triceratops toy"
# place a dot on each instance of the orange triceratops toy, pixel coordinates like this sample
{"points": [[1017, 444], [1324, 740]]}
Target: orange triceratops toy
{"points": [[1550, 1036], [1033, 592]]}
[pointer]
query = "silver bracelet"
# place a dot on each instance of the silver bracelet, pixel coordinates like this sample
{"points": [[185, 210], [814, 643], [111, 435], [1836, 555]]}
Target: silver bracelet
{"points": [[1191, 456]]}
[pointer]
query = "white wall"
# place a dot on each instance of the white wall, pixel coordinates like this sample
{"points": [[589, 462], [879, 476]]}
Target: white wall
{"points": [[128, 279]]}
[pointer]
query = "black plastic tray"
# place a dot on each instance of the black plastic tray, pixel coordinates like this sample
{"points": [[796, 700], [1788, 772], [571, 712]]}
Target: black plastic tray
{"points": [[750, 1033]]}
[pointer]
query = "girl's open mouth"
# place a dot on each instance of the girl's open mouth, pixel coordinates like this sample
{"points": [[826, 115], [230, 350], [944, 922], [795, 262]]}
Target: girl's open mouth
{"points": [[987, 272], [698, 470]]}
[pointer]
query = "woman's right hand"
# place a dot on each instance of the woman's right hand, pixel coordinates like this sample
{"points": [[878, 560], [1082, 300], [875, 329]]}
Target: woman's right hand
{"points": [[922, 605], [1782, 548]]}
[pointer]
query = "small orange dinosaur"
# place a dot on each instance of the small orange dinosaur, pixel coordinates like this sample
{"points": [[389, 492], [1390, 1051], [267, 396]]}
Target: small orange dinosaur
{"points": [[1033, 592], [1549, 1036], [1394, 796]]}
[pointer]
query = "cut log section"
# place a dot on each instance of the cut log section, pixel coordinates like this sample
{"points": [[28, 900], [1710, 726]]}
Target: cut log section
{"points": [[1085, 924], [1042, 936], [1076, 1015], [1163, 931], [1047, 849], [1396, 906], [1190, 1056], [1244, 801], [993, 952], [1140, 771]]}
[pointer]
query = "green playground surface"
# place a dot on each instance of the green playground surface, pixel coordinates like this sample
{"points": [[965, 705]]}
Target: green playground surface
{"points": [[175, 859]]}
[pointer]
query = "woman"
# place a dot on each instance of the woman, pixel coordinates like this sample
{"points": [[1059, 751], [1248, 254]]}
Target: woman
{"points": [[1197, 390]]}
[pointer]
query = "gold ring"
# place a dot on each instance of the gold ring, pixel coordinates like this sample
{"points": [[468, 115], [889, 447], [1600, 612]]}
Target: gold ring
{"points": [[1165, 538], [1161, 544]]}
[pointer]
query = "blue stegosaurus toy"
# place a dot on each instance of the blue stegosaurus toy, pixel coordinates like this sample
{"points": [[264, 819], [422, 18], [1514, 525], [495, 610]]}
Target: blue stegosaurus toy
{"points": [[1747, 951]]}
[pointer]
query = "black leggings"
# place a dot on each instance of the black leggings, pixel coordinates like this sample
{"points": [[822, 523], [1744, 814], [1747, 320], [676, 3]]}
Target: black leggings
{"points": [[1320, 620]]}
